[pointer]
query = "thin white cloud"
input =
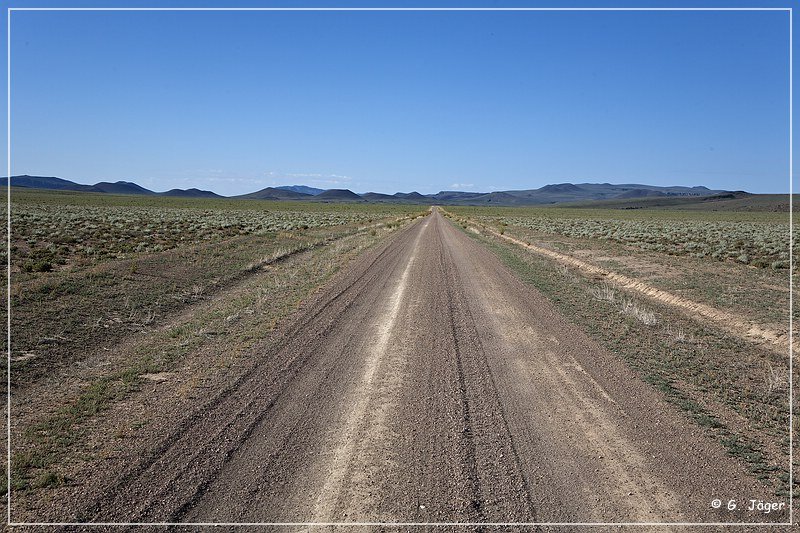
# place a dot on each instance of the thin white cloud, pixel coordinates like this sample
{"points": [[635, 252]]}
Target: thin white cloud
{"points": [[462, 185], [308, 178]]}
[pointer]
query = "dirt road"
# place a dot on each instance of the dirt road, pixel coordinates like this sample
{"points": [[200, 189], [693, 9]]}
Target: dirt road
{"points": [[429, 384]]}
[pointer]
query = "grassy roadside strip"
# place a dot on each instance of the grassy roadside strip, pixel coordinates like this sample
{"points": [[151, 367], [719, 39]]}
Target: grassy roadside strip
{"points": [[59, 317], [722, 285], [225, 329], [732, 324], [719, 381]]}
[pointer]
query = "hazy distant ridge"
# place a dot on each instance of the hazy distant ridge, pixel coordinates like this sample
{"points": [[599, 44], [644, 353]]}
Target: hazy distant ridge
{"points": [[119, 187], [549, 194]]}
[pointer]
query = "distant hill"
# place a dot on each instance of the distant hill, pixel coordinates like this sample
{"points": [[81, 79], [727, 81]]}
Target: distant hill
{"points": [[560, 188], [120, 187], [642, 193], [569, 192], [743, 201], [378, 197], [45, 182], [614, 196], [445, 197], [302, 189], [726, 201], [414, 195], [338, 195], [275, 193], [191, 193], [496, 198]]}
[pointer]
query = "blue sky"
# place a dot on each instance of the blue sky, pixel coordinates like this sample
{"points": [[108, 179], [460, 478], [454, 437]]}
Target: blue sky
{"points": [[400, 101]]}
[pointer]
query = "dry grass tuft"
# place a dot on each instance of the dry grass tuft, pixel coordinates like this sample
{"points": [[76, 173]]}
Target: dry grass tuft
{"points": [[604, 293], [643, 315], [776, 378]]}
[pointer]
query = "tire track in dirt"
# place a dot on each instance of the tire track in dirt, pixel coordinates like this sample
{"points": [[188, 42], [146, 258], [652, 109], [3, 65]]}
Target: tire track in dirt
{"points": [[477, 513], [520, 350], [184, 452], [485, 416], [601, 429], [343, 454]]}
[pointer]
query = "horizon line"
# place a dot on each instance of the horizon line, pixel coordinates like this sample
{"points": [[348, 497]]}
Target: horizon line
{"points": [[441, 190]]}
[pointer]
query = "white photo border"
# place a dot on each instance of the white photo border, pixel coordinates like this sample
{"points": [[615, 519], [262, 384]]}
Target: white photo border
{"points": [[9, 522]]}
